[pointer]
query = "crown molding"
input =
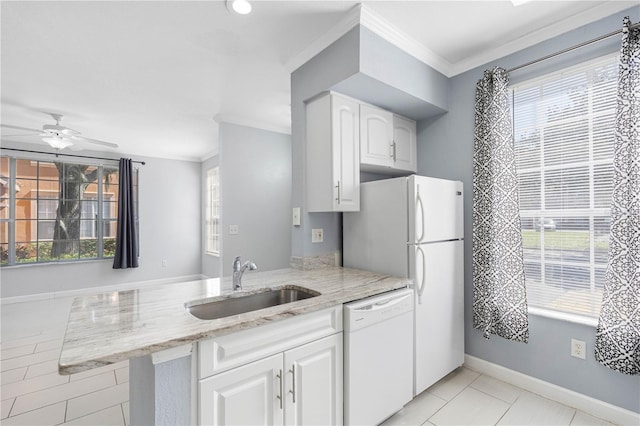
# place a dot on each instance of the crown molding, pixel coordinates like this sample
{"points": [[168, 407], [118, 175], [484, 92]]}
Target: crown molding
{"points": [[350, 20], [584, 18], [250, 122], [403, 41]]}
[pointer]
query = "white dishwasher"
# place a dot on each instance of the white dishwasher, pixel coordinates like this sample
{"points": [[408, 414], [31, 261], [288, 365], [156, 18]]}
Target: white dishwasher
{"points": [[378, 350]]}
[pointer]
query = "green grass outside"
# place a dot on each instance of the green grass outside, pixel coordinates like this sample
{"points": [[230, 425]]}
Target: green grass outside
{"points": [[562, 240]]}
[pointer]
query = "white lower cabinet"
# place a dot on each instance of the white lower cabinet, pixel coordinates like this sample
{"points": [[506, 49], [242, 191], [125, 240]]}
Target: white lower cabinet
{"points": [[301, 386], [313, 385], [246, 395], [287, 372]]}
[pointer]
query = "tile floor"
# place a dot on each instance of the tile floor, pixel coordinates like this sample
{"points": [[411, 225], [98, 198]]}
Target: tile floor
{"points": [[33, 393]]}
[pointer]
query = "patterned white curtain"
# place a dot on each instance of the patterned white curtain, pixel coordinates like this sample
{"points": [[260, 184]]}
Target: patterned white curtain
{"points": [[499, 297], [618, 333]]}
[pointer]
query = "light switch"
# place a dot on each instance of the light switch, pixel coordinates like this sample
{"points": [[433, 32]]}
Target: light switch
{"points": [[296, 216]]}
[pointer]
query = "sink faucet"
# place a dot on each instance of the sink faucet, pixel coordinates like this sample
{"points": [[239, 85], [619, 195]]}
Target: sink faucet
{"points": [[238, 270]]}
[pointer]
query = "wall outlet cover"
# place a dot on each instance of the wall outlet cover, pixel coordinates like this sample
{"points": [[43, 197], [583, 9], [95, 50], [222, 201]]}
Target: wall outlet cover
{"points": [[578, 349], [233, 229], [317, 235]]}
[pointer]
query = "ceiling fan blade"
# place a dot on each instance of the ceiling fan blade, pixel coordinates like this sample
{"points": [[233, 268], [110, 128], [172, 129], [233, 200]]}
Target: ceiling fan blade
{"points": [[21, 136], [94, 141], [8, 126]]}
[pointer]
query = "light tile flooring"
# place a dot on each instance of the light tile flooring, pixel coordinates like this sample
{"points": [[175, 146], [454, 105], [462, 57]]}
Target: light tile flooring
{"points": [[33, 393]]}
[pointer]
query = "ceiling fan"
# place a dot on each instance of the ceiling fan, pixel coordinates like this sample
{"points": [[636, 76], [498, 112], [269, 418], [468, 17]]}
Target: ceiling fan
{"points": [[58, 136]]}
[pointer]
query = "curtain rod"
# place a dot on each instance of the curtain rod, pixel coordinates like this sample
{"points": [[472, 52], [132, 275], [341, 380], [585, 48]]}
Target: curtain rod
{"points": [[569, 49], [69, 155]]}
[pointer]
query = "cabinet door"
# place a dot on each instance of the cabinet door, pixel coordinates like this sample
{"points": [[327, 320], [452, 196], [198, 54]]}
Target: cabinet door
{"points": [[247, 395], [345, 136], [404, 144], [313, 391], [376, 127]]}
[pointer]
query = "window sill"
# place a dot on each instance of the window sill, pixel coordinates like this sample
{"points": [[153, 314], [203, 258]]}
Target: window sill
{"points": [[68, 262], [563, 316]]}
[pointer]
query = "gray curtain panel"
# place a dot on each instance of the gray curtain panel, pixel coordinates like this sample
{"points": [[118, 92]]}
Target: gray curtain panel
{"points": [[499, 296], [618, 333], [127, 236]]}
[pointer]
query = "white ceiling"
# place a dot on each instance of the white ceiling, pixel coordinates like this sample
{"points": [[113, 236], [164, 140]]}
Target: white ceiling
{"points": [[152, 76]]}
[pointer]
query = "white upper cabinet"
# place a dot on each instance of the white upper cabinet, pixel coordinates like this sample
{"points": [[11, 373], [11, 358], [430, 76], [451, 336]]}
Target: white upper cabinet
{"points": [[333, 154], [404, 147], [387, 142], [376, 136]]}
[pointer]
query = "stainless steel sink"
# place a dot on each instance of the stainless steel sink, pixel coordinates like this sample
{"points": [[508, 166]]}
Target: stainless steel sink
{"points": [[239, 304]]}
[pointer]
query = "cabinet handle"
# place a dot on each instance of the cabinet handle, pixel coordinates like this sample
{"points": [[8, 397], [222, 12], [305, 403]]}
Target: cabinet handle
{"points": [[279, 376], [393, 145], [338, 186], [293, 382]]}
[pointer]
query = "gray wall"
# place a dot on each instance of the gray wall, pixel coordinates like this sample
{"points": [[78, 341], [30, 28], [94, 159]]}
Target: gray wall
{"points": [[255, 175], [445, 149], [169, 230], [363, 65], [210, 263]]}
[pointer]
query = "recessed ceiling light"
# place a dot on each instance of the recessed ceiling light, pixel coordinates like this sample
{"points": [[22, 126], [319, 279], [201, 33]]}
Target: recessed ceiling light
{"points": [[242, 7]]}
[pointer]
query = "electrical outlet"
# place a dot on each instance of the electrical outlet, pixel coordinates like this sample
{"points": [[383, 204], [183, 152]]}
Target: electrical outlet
{"points": [[317, 235], [233, 230], [164, 263], [578, 348]]}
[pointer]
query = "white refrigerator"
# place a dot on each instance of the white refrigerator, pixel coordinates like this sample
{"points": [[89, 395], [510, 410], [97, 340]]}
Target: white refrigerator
{"points": [[413, 227]]}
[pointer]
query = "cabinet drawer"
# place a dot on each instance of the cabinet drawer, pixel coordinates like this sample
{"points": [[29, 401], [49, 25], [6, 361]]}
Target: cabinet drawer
{"points": [[225, 352]]}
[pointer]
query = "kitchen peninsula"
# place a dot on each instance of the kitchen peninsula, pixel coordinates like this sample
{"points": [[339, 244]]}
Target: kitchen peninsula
{"points": [[151, 327]]}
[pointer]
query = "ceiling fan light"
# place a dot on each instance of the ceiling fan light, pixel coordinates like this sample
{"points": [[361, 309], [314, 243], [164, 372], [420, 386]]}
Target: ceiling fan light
{"points": [[242, 7], [57, 143]]}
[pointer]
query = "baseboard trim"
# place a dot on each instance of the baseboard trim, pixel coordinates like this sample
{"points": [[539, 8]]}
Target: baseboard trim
{"points": [[100, 289], [589, 405]]}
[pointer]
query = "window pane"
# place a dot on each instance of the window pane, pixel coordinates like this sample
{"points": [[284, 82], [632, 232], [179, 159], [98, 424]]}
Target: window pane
{"points": [[66, 249], [566, 143], [89, 209], [109, 247], [4, 253], [48, 189], [88, 248], [110, 228], [601, 227], [45, 170], [603, 185], [27, 188], [88, 228], [567, 188], [26, 252], [26, 230], [530, 198], [570, 242], [47, 208], [46, 229]]}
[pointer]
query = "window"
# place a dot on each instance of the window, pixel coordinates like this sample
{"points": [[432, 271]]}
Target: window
{"points": [[563, 138], [212, 212], [56, 211]]}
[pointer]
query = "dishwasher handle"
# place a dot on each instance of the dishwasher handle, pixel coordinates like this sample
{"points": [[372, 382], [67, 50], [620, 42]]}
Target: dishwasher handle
{"points": [[383, 304]]}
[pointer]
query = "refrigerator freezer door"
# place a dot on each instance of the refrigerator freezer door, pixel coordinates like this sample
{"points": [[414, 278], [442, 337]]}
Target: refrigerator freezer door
{"points": [[375, 238], [435, 209], [439, 316]]}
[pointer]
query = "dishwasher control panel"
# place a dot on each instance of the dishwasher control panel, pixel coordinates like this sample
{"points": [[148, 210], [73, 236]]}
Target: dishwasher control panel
{"points": [[369, 311]]}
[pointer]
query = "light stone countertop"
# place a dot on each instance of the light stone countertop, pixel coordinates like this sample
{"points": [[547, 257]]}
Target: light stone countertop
{"points": [[111, 327]]}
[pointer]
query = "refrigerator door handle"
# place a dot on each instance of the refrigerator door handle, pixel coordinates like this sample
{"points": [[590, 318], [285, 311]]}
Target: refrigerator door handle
{"points": [[419, 203], [424, 275]]}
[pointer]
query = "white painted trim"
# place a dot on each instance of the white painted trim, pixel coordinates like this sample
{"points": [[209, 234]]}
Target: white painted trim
{"points": [[96, 290], [562, 316], [249, 122], [171, 354], [585, 403], [403, 41], [350, 20], [586, 17]]}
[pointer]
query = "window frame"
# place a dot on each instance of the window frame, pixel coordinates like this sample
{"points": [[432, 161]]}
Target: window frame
{"points": [[212, 212], [592, 212], [97, 196]]}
